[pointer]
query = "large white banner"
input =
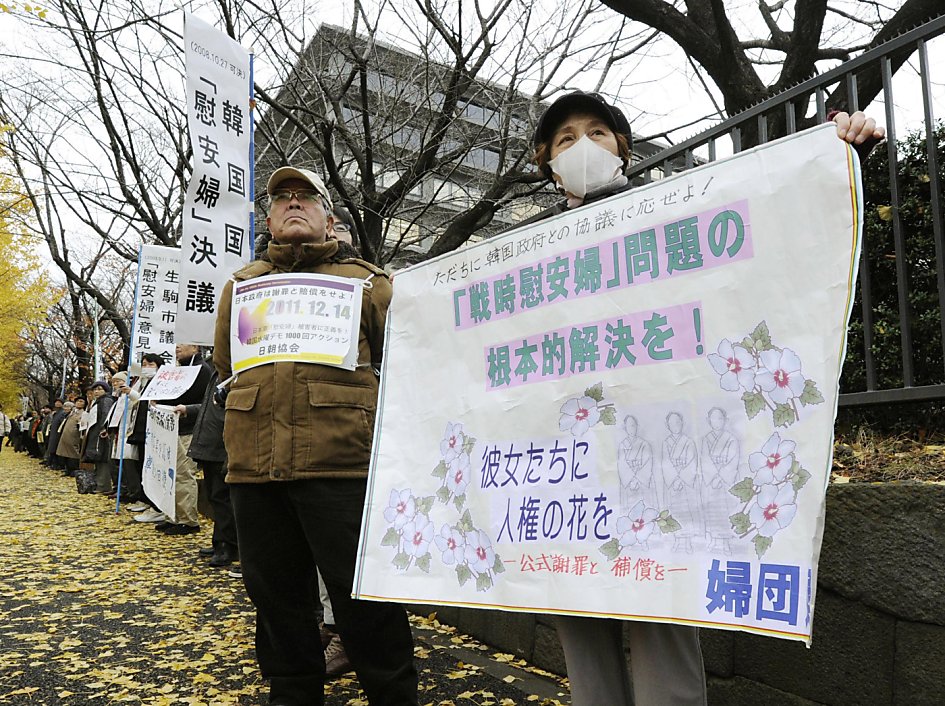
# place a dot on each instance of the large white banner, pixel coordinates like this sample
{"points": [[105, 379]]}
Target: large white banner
{"points": [[156, 302], [159, 470], [634, 402], [216, 235]]}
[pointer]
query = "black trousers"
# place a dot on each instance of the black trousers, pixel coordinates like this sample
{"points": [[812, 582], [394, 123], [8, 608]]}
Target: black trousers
{"points": [[131, 489], [285, 529], [218, 492]]}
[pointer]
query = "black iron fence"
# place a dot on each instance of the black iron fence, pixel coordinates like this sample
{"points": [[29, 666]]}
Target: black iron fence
{"points": [[896, 349]]}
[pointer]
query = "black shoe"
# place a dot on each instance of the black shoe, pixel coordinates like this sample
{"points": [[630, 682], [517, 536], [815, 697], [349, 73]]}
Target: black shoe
{"points": [[175, 530], [223, 558], [206, 551], [162, 526]]}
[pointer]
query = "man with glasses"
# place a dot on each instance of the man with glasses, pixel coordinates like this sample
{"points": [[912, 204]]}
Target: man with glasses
{"points": [[298, 439]]}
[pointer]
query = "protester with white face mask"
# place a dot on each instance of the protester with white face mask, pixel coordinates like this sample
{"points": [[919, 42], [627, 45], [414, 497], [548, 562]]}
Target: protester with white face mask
{"points": [[583, 145]]}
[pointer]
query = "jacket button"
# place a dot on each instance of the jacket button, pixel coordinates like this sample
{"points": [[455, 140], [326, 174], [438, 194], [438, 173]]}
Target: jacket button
{"points": [[276, 474]]}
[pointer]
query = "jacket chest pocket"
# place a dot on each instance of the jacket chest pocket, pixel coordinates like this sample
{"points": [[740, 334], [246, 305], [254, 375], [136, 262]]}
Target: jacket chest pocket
{"points": [[241, 430], [339, 427]]}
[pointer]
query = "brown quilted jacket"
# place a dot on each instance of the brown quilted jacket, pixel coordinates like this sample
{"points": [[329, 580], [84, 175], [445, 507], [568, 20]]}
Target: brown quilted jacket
{"points": [[291, 421]]}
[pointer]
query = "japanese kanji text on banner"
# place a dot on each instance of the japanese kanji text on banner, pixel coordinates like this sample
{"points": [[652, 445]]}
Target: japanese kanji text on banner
{"points": [[170, 382], [298, 317], [216, 235], [634, 402], [156, 302], [159, 471]]}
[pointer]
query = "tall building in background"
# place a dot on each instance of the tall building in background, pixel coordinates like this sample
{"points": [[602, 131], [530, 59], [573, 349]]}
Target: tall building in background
{"points": [[385, 121]]}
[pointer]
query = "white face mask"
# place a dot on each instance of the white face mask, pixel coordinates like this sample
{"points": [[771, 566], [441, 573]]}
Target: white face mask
{"points": [[147, 373], [585, 166]]}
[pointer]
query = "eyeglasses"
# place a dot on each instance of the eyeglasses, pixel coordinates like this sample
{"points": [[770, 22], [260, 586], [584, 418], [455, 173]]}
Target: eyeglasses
{"points": [[303, 196], [341, 227]]}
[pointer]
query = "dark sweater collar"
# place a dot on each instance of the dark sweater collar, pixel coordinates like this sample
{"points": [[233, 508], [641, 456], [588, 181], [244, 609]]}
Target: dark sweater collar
{"points": [[284, 256]]}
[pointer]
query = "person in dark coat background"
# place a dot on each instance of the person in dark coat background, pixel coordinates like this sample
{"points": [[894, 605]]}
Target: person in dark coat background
{"points": [[208, 450]]}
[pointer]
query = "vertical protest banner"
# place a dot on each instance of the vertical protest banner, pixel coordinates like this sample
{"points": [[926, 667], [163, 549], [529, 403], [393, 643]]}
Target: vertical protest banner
{"points": [[217, 233], [153, 322], [97, 366], [635, 402], [159, 469], [156, 295]]}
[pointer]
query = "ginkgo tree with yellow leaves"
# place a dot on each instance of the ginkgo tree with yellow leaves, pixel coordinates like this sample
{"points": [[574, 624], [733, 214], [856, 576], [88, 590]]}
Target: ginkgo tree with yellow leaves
{"points": [[25, 293], [35, 10]]}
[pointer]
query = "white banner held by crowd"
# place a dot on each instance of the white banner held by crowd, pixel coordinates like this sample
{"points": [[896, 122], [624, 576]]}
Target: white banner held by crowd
{"points": [[159, 469], [156, 302], [170, 382], [216, 235], [296, 317], [634, 402]]}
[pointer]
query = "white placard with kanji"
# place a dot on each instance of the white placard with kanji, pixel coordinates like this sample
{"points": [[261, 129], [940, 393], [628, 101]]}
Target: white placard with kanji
{"points": [[216, 233], [156, 302], [296, 317], [170, 382], [159, 469]]}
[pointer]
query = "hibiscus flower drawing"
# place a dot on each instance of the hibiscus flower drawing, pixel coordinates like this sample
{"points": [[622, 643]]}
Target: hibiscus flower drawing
{"points": [[769, 495], [735, 366], [417, 535], [780, 375], [452, 543], [401, 508], [410, 517], [458, 474], [454, 467], [579, 414], [453, 441], [774, 509], [410, 531], [768, 377], [773, 462], [636, 527]]}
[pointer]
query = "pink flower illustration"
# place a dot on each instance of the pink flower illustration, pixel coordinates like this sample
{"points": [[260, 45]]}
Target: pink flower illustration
{"points": [[479, 553], [773, 462], [417, 536], [637, 526], [773, 510], [401, 508], [451, 542], [578, 415], [780, 375], [735, 365]]}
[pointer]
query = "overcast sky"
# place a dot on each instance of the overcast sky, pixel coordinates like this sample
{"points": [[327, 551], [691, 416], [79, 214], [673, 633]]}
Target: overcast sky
{"points": [[658, 89]]}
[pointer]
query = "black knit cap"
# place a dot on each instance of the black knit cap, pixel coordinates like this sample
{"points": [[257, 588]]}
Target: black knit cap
{"points": [[580, 101]]}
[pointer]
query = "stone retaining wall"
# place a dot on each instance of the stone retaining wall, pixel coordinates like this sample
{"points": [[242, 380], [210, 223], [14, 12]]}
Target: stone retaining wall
{"points": [[879, 626]]}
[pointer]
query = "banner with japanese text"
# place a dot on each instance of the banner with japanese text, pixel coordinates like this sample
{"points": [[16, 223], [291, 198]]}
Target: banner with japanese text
{"points": [[299, 317], [216, 234], [156, 302], [634, 402], [159, 469], [170, 382]]}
